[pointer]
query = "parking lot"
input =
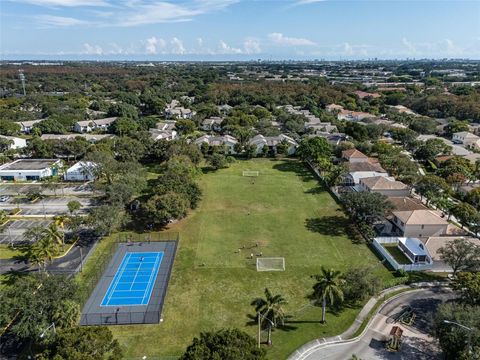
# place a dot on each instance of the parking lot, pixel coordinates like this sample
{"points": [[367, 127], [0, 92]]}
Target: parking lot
{"points": [[50, 206], [60, 189], [15, 229]]}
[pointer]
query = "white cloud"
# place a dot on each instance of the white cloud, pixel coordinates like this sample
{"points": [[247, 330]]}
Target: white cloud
{"points": [[410, 47], [57, 21], [280, 39], [153, 44], [162, 12], [177, 46], [92, 49], [305, 2], [65, 3], [224, 48], [252, 46]]}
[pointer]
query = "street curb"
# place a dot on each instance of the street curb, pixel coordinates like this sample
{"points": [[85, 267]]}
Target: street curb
{"points": [[324, 342]]}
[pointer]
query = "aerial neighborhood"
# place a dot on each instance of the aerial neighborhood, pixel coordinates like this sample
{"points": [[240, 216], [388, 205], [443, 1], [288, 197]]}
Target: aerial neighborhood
{"points": [[286, 209]]}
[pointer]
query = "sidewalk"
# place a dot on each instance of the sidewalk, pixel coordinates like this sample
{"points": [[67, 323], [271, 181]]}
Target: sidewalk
{"points": [[347, 335]]}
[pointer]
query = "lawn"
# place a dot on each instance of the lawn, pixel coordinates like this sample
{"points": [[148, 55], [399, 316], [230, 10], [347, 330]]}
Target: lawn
{"points": [[283, 210], [397, 254]]}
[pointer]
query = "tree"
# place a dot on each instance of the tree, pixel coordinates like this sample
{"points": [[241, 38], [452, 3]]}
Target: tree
{"points": [[9, 128], [455, 341], [185, 126], [36, 301], [73, 206], [431, 148], [366, 206], [160, 209], [105, 219], [467, 285], [270, 310], [250, 151], [123, 126], [313, 148], [328, 288], [460, 255], [50, 126], [218, 161], [359, 283], [431, 185], [467, 215], [230, 344], [86, 343]]}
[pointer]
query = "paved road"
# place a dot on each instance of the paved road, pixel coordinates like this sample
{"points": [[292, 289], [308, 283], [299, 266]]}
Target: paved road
{"points": [[62, 189], [48, 205], [417, 343]]}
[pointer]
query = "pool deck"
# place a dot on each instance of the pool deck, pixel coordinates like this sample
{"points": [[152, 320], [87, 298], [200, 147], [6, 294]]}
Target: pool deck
{"points": [[95, 314]]}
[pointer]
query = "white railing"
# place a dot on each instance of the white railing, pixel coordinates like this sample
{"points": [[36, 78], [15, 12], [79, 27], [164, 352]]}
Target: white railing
{"points": [[377, 244]]}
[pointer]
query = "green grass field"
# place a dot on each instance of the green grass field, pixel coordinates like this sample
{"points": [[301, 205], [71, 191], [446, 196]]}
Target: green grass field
{"points": [[212, 284]]}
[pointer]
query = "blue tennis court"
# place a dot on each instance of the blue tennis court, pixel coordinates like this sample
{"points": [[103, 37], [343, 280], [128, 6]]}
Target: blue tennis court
{"points": [[134, 280]]}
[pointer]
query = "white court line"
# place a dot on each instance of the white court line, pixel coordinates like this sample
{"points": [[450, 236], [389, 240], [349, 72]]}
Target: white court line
{"points": [[118, 279], [150, 280], [133, 281]]}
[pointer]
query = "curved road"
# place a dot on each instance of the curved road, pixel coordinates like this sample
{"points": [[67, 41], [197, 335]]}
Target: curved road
{"points": [[417, 343]]}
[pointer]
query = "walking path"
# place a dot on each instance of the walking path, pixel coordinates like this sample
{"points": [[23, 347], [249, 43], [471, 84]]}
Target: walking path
{"points": [[308, 350]]}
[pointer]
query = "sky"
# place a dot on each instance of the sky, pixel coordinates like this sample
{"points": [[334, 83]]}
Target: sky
{"points": [[238, 29]]}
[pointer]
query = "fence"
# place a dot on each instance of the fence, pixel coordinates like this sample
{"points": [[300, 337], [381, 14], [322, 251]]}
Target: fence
{"points": [[377, 244], [101, 275]]}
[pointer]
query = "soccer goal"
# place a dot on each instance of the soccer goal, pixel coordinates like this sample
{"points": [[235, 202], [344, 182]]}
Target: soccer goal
{"points": [[270, 264], [250, 173]]}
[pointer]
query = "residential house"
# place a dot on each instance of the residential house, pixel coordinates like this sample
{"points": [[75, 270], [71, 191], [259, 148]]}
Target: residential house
{"points": [[363, 95], [333, 108], [362, 169], [164, 130], [466, 138], [14, 142], [333, 139], [224, 109], [86, 126], [406, 203], [354, 155], [227, 141], [271, 142], [213, 123], [383, 185], [26, 127], [419, 223], [80, 171], [435, 243], [175, 111], [404, 110], [29, 169], [349, 115]]}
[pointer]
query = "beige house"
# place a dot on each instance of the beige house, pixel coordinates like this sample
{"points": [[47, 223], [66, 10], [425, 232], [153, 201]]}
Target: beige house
{"points": [[433, 245], [419, 223], [383, 185], [354, 155], [466, 138]]}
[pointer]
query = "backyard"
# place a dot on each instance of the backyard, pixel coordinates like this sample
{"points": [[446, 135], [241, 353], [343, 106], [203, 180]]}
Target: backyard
{"points": [[283, 212]]}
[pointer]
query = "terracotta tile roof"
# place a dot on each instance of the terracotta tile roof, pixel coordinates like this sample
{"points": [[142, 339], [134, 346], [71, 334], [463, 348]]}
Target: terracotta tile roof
{"points": [[420, 217], [382, 183], [364, 166], [353, 153], [406, 203]]}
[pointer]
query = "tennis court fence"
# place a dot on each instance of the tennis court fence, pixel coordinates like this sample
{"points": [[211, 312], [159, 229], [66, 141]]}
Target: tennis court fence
{"points": [[122, 318], [92, 276]]}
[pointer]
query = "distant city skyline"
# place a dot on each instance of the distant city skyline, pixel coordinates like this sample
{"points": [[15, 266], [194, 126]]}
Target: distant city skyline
{"points": [[238, 29]]}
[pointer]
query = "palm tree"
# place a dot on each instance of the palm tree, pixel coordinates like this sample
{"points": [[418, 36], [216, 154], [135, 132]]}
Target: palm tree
{"points": [[270, 311], [55, 236], [327, 287], [42, 252], [61, 221]]}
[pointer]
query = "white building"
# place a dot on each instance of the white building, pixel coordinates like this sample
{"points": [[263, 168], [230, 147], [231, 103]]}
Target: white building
{"points": [[213, 123], [228, 141], [81, 171], [271, 142], [16, 142], [467, 139], [384, 185], [27, 126], [29, 169], [90, 125]]}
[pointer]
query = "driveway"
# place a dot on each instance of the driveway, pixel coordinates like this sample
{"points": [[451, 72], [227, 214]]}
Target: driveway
{"points": [[417, 343]]}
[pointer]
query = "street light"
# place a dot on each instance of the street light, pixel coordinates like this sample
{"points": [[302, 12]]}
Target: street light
{"points": [[260, 316], [469, 329], [52, 325]]}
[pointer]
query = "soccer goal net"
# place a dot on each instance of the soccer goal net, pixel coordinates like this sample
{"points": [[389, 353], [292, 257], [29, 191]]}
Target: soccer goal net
{"points": [[270, 264], [250, 173]]}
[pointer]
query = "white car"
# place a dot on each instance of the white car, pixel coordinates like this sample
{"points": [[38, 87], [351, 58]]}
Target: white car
{"points": [[4, 198]]}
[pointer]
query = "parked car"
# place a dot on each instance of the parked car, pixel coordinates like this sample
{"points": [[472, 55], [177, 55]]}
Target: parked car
{"points": [[4, 198]]}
